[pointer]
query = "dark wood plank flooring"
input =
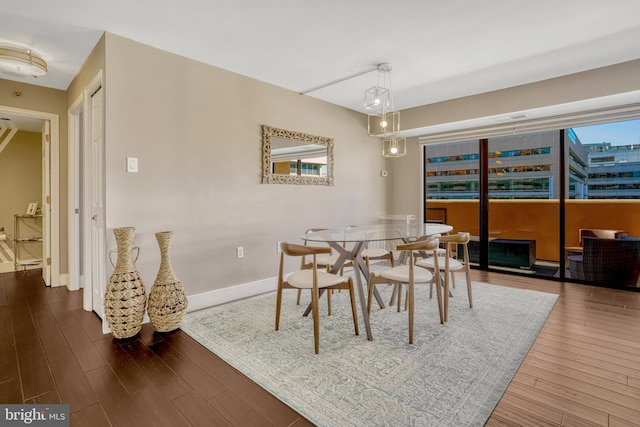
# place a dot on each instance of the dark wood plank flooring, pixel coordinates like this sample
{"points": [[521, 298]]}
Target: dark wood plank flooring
{"points": [[583, 369], [52, 351]]}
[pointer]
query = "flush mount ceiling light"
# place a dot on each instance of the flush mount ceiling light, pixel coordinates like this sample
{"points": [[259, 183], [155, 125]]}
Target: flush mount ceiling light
{"points": [[22, 61]]}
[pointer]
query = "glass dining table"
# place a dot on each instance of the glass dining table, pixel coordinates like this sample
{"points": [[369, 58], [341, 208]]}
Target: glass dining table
{"points": [[348, 242]]}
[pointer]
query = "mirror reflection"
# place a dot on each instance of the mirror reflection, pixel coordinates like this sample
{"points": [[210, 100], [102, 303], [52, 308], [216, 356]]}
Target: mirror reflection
{"points": [[296, 158]]}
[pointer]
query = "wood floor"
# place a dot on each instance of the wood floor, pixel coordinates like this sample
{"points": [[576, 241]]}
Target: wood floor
{"points": [[583, 369]]}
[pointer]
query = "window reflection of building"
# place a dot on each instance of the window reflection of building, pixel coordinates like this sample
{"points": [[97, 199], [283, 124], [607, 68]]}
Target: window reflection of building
{"points": [[614, 171], [519, 167], [526, 167]]}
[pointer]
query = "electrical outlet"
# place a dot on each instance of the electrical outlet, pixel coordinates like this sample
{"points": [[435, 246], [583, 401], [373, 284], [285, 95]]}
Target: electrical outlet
{"points": [[279, 249], [239, 252]]}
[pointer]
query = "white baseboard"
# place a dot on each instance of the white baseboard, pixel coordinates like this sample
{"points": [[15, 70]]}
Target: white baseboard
{"points": [[65, 280], [232, 293], [220, 296]]}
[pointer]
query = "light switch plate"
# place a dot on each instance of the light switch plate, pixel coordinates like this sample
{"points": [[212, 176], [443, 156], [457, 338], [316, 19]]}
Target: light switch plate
{"points": [[132, 164]]}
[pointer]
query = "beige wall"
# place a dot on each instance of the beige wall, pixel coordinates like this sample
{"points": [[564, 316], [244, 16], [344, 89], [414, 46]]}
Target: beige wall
{"points": [[21, 175], [94, 63], [195, 130], [405, 194]]}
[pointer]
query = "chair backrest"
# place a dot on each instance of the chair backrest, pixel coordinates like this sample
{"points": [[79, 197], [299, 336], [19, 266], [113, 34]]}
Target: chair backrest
{"points": [[452, 241], [304, 264], [429, 244], [292, 249], [611, 261], [436, 215], [460, 238], [601, 233]]}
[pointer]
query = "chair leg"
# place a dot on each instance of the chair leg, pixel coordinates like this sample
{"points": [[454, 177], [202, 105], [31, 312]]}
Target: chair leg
{"points": [[469, 291], [278, 305], [410, 301], [316, 319], [372, 278], [392, 300], [329, 292], [445, 297], [439, 296], [299, 294]]}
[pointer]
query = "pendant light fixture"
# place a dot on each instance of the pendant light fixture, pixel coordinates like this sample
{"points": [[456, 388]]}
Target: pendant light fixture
{"points": [[21, 61], [393, 146], [383, 120]]}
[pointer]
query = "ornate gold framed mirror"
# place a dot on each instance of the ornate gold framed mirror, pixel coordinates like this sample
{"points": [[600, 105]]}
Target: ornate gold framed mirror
{"points": [[296, 158]]}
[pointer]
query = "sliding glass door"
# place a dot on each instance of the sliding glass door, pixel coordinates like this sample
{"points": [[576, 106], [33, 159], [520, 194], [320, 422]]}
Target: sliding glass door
{"points": [[603, 203], [452, 188], [524, 194], [544, 192]]}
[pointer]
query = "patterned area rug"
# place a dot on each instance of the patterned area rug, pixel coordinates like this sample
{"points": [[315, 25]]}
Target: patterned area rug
{"points": [[453, 374]]}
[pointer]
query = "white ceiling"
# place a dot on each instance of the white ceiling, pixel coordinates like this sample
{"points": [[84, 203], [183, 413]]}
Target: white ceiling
{"points": [[438, 49]]}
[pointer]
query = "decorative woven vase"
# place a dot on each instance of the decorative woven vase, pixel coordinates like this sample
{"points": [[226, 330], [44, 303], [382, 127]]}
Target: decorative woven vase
{"points": [[125, 298], [167, 299]]}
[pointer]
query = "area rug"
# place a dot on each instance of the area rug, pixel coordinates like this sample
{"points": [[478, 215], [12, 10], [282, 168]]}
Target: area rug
{"points": [[453, 374]]}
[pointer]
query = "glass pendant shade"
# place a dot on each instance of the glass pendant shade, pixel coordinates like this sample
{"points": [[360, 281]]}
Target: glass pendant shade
{"points": [[394, 147]]}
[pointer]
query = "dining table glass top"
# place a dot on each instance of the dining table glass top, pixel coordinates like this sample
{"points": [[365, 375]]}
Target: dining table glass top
{"points": [[377, 232]]}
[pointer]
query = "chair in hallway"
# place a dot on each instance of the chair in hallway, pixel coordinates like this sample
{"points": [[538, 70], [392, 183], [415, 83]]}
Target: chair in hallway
{"points": [[312, 279]]}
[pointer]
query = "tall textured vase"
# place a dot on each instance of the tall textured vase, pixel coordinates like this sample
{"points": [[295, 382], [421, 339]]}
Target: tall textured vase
{"points": [[125, 298], [167, 299]]}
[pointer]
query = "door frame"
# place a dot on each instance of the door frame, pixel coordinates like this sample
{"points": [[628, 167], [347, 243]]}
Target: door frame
{"points": [[80, 216], [53, 237]]}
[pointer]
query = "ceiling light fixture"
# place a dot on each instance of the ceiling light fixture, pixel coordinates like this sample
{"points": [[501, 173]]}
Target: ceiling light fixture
{"points": [[22, 61], [393, 146], [383, 120]]}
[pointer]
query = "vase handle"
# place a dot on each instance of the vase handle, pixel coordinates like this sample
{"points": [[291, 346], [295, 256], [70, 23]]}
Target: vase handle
{"points": [[113, 251], [137, 253]]}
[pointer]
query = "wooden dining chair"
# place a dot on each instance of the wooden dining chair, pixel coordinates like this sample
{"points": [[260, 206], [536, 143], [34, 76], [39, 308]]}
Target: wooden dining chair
{"points": [[312, 279], [410, 275], [447, 265], [323, 261]]}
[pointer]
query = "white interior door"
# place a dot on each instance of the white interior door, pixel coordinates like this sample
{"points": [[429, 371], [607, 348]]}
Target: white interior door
{"points": [[46, 202], [97, 210]]}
